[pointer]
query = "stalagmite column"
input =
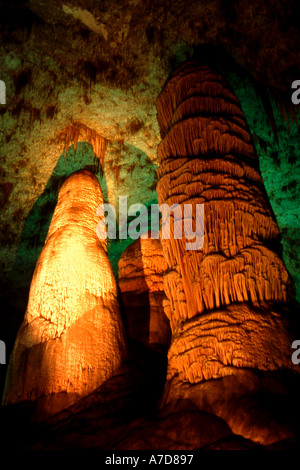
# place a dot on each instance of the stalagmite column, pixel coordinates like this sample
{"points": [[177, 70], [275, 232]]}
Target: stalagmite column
{"points": [[141, 269], [225, 299], [72, 338]]}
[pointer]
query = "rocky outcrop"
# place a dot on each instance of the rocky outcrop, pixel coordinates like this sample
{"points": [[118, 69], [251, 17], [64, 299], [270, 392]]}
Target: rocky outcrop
{"points": [[72, 337], [141, 269], [226, 298]]}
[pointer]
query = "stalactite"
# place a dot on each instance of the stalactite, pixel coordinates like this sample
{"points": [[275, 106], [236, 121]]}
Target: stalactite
{"points": [[72, 337], [75, 131]]}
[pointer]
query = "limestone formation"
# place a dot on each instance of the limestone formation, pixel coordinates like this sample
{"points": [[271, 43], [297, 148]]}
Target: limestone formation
{"points": [[226, 298], [141, 269], [72, 337]]}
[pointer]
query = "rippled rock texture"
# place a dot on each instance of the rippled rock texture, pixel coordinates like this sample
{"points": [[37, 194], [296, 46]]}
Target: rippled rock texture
{"points": [[226, 300]]}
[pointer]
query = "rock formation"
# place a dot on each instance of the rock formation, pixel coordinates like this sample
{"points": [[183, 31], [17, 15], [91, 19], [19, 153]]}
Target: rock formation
{"points": [[141, 269], [72, 337], [226, 299]]}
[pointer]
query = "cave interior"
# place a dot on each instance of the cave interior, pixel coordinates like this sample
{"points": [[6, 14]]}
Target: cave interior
{"points": [[86, 85]]}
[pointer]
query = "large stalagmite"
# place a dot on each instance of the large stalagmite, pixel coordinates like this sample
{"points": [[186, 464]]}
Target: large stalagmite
{"points": [[226, 299], [72, 338]]}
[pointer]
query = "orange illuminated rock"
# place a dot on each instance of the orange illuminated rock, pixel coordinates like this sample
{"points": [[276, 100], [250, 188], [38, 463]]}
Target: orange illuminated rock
{"points": [[141, 269], [207, 157], [225, 299], [72, 337]]}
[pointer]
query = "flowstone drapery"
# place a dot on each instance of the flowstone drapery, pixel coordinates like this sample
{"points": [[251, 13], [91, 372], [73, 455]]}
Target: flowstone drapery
{"points": [[226, 299]]}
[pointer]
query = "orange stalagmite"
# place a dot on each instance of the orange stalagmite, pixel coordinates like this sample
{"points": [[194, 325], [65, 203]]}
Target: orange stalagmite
{"points": [[141, 269], [226, 300], [72, 337]]}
